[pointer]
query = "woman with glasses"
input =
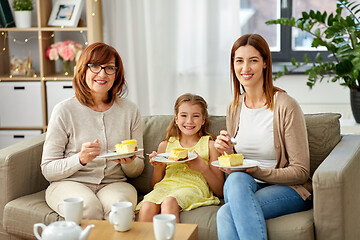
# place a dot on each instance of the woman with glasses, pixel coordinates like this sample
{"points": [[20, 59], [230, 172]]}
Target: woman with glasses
{"points": [[87, 125]]}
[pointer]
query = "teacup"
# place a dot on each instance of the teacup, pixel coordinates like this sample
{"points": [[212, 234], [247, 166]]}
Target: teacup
{"points": [[164, 226], [121, 216], [72, 209]]}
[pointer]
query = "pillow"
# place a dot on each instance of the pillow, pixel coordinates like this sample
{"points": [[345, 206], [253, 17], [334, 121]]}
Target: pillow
{"points": [[323, 133]]}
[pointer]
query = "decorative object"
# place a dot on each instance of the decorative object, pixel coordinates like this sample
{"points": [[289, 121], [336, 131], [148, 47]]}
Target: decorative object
{"points": [[339, 32], [67, 51], [6, 17], [66, 13], [18, 66], [22, 11]]}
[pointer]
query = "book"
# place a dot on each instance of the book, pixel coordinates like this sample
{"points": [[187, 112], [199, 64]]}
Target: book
{"points": [[6, 17]]}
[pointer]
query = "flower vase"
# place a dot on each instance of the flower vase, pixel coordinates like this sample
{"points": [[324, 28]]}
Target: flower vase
{"points": [[68, 68]]}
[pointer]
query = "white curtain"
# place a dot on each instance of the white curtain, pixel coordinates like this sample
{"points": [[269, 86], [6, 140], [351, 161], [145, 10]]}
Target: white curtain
{"points": [[171, 47]]}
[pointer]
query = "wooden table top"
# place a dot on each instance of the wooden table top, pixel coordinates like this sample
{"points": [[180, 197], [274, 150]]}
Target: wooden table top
{"points": [[139, 230]]}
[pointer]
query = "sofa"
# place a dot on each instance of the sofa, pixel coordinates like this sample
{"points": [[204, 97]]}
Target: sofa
{"points": [[335, 166]]}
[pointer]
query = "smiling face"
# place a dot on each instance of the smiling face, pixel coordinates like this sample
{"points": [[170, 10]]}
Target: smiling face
{"points": [[249, 66], [189, 118], [100, 83]]}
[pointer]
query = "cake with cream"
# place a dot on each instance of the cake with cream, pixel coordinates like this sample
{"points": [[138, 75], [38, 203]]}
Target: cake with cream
{"points": [[231, 160], [177, 154], [126, 146]]}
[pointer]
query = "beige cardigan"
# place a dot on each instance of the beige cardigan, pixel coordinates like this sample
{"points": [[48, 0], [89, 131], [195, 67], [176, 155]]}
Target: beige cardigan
{"points": [[290, 141], [72, 124]]}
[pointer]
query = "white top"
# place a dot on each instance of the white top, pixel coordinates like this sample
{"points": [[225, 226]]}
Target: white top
{"points": [[255, 138]]}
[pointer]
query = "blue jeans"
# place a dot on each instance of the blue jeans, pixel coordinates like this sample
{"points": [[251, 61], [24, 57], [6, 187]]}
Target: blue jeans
{"points": [[248, 204]]}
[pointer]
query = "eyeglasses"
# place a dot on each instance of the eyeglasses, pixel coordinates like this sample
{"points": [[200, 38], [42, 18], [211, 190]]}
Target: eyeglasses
{"points": [[95, 68]]}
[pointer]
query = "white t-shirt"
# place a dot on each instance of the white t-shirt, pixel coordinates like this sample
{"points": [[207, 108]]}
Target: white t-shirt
{"points": [[255, 138]]}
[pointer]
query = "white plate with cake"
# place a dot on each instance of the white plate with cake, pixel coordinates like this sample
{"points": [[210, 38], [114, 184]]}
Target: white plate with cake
{"points": [[177, 155], [234, 161], [126, 148], [114, 155], [247, 163]]}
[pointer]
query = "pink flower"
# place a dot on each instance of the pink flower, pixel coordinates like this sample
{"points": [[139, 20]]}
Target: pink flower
{"points": [[53, 54], [67, 51]]}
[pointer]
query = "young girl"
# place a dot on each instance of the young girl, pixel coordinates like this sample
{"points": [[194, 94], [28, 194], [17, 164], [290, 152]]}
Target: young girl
{"points": [[184, 186]]}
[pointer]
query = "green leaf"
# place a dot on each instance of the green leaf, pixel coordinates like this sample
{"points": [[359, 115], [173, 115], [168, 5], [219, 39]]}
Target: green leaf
{"points": [[312, 14], [285, 69], [330, 19], [305, 15]]}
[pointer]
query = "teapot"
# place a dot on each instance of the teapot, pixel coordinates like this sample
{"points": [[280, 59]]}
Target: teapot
{"points": [[62, 230]]}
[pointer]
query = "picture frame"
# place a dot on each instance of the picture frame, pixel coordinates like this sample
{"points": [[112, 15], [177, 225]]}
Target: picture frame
{"points": [[66, 13]]}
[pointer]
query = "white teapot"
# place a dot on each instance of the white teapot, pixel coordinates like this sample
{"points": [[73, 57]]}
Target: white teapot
{"points": [[62, 230]]}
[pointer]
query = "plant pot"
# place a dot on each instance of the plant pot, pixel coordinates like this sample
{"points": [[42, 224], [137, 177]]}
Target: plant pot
{"points": [[23, 19], [355, 104]]}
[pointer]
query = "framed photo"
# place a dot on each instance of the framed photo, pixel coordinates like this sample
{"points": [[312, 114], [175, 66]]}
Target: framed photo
{"points": [[66, 13]]}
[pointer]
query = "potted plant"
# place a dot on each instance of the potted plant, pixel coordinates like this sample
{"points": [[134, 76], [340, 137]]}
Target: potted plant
{"points": [[22, 10], [339, 32]]}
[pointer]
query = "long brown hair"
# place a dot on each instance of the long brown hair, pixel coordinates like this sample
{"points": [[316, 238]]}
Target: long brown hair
{"points": [[260, 44], [98, 53], [174, 131]]}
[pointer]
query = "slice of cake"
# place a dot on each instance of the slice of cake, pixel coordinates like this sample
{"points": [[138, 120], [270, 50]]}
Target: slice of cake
{"points": [[177, 154], [231, 160], [126, 146]]}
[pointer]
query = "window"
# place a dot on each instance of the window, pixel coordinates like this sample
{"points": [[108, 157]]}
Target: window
{"points": [[285, 42]]}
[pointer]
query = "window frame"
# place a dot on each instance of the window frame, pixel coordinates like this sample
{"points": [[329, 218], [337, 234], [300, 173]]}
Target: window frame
{"points": [[286, 53]]}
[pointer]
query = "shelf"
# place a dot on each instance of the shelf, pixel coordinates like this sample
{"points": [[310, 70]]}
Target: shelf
{"points": [[42, 36]]}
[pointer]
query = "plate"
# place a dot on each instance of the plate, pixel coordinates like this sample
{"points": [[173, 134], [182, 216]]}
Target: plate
{"points": [[114, 155], [164, 158], [246, 164]]}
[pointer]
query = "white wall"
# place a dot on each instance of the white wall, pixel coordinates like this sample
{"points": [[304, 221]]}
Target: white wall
{"points": [[323, 97]]}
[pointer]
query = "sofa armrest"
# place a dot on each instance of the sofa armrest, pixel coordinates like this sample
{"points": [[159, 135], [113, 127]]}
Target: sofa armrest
{"points": [[20, 172], [337, 193]]}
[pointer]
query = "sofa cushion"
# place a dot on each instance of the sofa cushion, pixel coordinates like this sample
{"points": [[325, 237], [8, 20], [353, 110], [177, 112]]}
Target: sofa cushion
{"points": [[296, 226], [323, 133], [22, 213]]}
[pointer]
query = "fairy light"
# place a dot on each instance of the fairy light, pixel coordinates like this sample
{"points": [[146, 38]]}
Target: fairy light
{"points": [[29, 39], [93, 14]]}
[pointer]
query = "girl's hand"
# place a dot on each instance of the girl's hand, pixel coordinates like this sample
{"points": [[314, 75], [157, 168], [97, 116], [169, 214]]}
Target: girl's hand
{"points": [[197, 164], [125, 160], [89, 151], [153, 162], [223, 144]]}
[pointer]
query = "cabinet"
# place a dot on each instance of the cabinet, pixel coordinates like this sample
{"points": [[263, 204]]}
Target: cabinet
{"points": [[24, 99]]}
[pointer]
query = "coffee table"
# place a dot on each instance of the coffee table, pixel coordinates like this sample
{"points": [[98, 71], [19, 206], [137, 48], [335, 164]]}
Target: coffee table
{"points": [[139, 230]]}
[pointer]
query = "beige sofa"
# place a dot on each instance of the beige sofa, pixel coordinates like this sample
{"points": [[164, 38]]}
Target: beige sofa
{"points": [[335, 182]]}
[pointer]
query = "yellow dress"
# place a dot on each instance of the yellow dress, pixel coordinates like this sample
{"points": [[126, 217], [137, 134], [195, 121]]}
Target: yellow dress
{"points": [[188, 186]]}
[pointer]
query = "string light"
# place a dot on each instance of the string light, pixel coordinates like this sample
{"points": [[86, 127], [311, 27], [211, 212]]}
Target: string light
{"points": [[27, 40]]}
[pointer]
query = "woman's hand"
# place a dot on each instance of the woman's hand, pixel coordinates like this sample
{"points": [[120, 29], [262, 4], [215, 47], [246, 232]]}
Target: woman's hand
{"points": [[125, 160], [89, 151], [223, 144]]}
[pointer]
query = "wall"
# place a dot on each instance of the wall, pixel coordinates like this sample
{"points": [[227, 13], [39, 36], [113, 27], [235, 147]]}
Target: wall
{"points": [[323, 97]]}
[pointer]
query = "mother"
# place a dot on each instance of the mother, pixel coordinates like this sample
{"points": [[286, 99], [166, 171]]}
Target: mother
{"points": [[268, 126], [87, 125]]}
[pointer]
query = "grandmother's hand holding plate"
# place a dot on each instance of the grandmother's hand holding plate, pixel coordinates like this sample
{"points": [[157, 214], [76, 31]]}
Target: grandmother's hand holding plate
{"points": [[125, 160]]}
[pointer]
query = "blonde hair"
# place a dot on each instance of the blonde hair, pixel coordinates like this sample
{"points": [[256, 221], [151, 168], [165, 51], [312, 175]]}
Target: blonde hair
{"points": [[260, 44], [174, 131]]}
